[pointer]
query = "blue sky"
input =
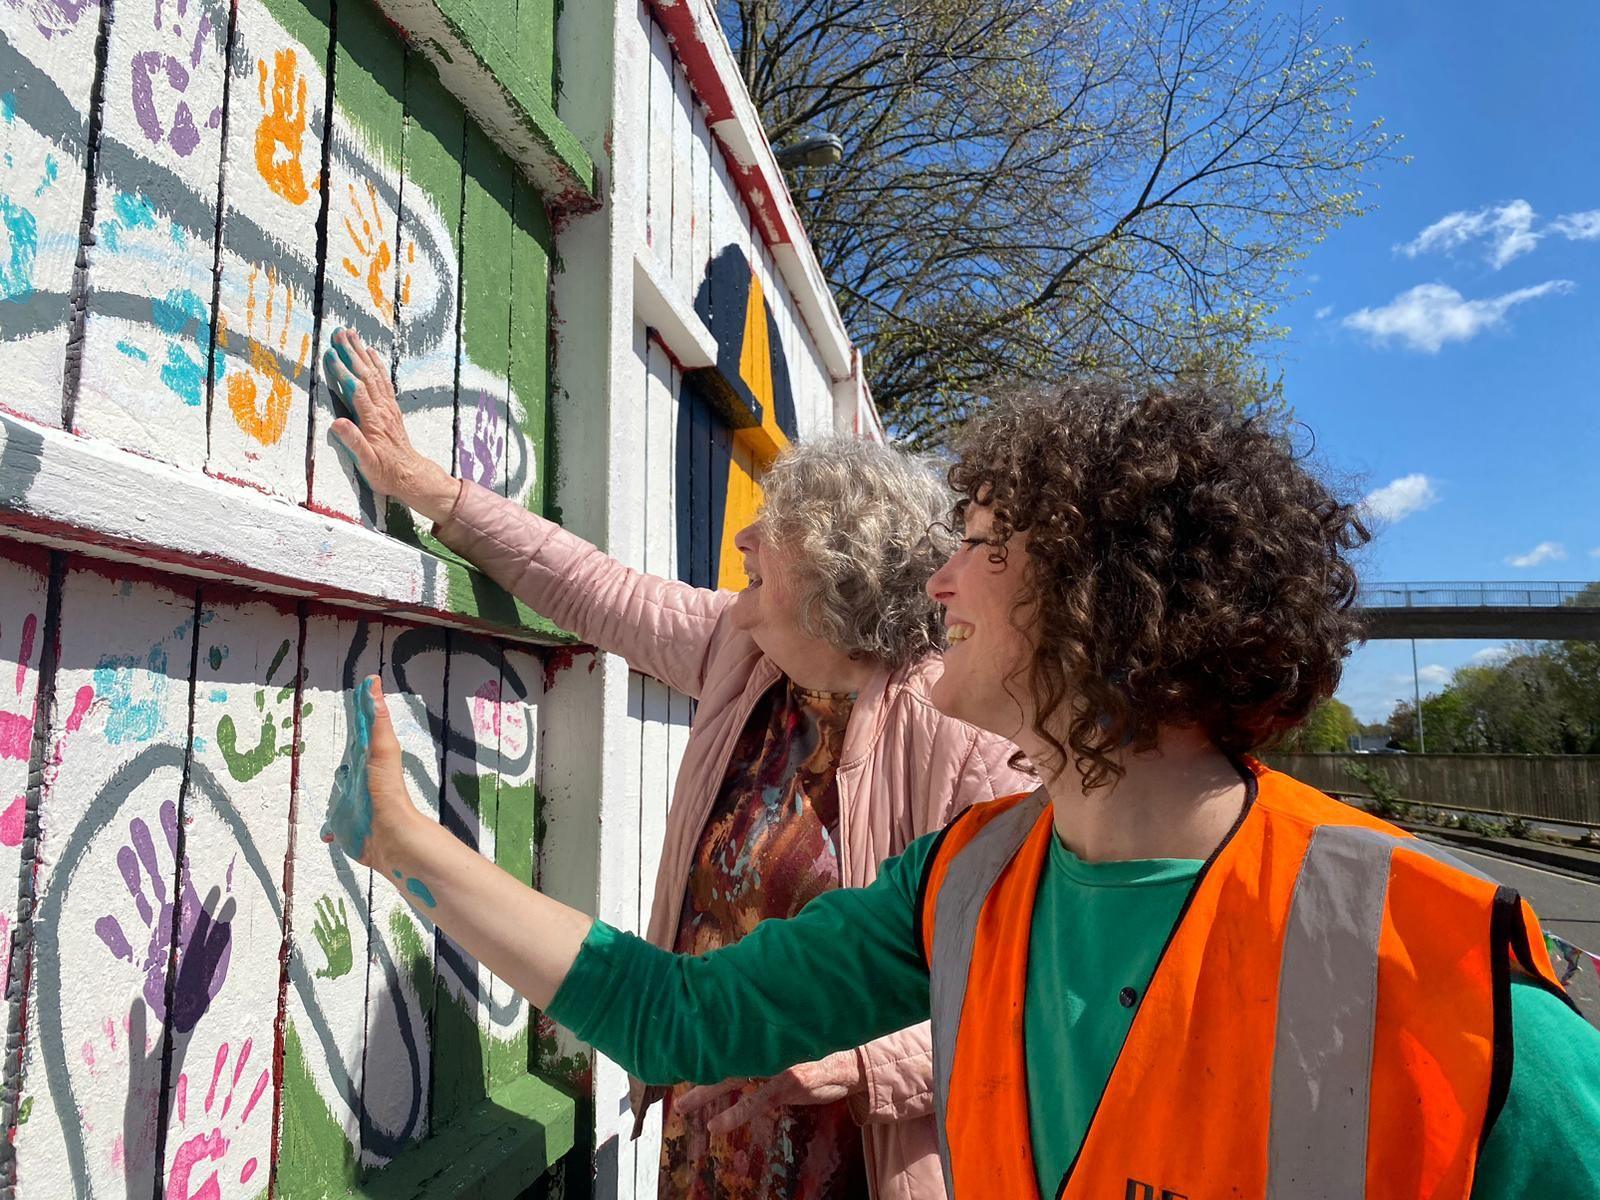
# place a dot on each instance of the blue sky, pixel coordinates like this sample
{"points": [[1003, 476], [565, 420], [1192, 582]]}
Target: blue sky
{"points": [[1447, 347]]}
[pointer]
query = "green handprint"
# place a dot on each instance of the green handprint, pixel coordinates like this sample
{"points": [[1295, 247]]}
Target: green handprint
{"points": [[245, 765], [332, 931]]}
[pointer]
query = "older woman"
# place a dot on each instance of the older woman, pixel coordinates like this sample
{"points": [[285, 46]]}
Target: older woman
{"points": [[1170, 971], [814, 753]]}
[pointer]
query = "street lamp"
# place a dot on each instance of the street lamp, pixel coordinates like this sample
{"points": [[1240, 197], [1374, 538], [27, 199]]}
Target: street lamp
{"points": [[819, 150]]}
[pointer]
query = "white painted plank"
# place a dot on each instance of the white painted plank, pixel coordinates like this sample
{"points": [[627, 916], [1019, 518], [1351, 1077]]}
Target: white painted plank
{"points": [[632, 161], [471, 759], [658, 228], [320, 1135], [44, 123], [107, 876], [685, 204], [147, 332], [269, 247], [397, 1070], [23, 588], [360, 278], [236, 831], [701, 184]]}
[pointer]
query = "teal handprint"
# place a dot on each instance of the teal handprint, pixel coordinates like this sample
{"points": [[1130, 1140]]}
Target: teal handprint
{"points": [[245, 765], [332, 931]]}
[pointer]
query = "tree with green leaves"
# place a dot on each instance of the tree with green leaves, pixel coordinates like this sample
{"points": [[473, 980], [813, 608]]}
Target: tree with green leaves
{"points": [[1328, 729], [1049, 187]]}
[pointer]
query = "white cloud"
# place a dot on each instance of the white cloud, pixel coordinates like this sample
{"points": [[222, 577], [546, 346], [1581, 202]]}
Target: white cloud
{"points": [[1542, 553], [1490, 655], [1433, 675], [1508, 228], [1578, 226], [1324, 312], [1400, 498], [1595, 553], [1431, 314]]}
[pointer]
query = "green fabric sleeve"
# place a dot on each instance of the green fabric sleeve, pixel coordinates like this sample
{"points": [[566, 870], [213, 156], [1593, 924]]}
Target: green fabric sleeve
{"points": [[843, 971], [1546, 1141]]}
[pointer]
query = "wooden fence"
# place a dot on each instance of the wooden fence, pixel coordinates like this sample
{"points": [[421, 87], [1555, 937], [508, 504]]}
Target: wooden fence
{"points": [[1562, 788]]}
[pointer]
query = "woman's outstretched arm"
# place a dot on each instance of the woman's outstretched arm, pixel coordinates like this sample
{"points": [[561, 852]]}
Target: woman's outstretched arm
{"points": [[844, 971]]}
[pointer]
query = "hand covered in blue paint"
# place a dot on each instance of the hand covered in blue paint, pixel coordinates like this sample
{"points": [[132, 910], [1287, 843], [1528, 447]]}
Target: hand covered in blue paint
{"points": [[369, 801], [358, 377]]}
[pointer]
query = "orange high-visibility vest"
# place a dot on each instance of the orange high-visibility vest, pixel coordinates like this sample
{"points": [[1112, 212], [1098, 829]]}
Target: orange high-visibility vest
{"points": [[1330, 1017]]}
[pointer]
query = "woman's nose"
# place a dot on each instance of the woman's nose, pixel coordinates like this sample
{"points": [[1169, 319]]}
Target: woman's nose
{"points": [[941, 587], [745, 540]]}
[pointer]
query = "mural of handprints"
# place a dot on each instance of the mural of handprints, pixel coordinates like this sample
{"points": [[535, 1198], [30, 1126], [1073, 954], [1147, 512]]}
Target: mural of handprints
{"points": [[260, 390]]}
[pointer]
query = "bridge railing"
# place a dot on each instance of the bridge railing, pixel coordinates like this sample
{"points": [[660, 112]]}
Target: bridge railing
{"points": [[1493, 594], [1559, 788]]}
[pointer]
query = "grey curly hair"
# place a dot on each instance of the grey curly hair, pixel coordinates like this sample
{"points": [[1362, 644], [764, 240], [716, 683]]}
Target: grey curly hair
{"points": [[865, 525]]}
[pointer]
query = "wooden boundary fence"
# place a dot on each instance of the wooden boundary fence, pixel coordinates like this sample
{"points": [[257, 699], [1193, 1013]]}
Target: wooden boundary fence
{"points": [[1564, 788]]}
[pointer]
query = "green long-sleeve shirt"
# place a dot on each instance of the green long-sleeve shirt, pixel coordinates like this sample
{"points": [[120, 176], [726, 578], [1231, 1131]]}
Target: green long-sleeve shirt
{"points": [[848, 969]]}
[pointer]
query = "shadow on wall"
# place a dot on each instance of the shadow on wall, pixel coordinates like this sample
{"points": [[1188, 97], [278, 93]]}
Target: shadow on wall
{"points": [[727, 424]]}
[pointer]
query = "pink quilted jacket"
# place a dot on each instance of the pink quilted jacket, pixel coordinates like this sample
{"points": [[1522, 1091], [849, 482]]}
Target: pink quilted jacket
{"points": [[905, 768]]}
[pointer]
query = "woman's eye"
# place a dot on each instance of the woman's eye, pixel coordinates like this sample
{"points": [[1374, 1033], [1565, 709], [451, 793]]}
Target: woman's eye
{"points": [[974, 541]]}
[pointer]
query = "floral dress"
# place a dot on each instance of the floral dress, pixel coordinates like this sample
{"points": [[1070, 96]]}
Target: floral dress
{"points": [[769, 846]]}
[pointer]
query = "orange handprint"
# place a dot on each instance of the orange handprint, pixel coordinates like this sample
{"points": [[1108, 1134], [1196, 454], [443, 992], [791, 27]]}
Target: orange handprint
{"points": [[282, 131], [370, 244], [266, 422]]}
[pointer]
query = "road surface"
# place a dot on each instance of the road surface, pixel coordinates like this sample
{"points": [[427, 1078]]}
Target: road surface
{"points": [[1568, 906]]}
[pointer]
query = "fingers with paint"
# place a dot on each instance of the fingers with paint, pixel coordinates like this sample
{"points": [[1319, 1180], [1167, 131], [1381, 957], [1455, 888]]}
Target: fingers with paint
{"points": [[350, 811], [349, 822]]}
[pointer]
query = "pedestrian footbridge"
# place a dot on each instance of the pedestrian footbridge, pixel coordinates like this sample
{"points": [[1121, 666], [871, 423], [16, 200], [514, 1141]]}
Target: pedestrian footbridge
{"points": [[1492, 609]]}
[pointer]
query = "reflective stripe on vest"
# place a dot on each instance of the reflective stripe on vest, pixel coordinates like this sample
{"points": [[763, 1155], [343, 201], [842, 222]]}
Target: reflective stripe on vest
{"points": [[1333, 938]]}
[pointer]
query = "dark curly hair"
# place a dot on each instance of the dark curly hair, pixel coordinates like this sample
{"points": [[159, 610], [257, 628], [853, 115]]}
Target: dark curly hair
{"points": [[1187, 566]]}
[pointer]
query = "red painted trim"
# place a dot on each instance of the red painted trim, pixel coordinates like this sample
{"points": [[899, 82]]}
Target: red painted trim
{"points": [[762, 186]]}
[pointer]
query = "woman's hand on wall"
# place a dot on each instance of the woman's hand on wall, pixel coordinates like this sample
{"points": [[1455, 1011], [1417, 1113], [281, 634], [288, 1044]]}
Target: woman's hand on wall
{"points": [[377, 438], [525, 938], [821, 1082], [370, 803]]}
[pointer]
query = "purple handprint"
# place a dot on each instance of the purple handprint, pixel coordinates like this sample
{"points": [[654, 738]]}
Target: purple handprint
{"points": [[180, 130], [479, 459], [205, 941], [52, 17]]}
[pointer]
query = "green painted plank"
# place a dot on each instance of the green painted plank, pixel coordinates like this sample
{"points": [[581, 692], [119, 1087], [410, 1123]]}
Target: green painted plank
{"points": [[369, 76], [482, 418], [492, 1152], [496, 54], [513, 851], [530, 342], [307, 22], [536, 42]]}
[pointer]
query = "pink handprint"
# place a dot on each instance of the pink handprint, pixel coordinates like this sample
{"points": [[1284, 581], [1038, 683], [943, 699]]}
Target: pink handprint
{"points": [[175, 63], [204, 941], [209, 1144]]}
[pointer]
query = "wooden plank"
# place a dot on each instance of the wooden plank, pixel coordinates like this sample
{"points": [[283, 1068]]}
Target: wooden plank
{"points": [[658, 221], [107, 876], [319, 1137], [516, 817], [460, 1066], [526, 474], [701, 185], [632, 166], [685, 204], [397, 1066], [363, 277], [235, 816], [430, 240], [146, 352], [493, 1152], [46, 52], [536, 43], [24, 588], [272, 195], [486, 315]]}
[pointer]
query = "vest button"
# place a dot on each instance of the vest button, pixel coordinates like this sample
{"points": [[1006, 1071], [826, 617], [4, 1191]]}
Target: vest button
{"points": [[1127, 997]]}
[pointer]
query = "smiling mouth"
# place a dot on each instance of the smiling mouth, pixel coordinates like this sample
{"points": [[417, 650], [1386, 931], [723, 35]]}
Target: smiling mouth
{"points": [[958, 633]]}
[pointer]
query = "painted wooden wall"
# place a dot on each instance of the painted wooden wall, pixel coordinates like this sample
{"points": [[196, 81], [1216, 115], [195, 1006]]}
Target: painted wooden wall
{"points": [[203, 1000]]}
